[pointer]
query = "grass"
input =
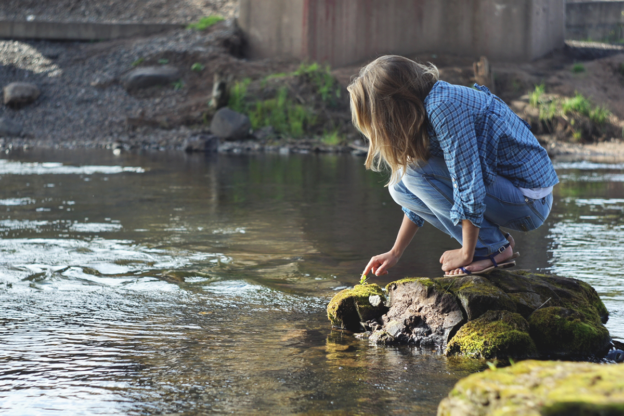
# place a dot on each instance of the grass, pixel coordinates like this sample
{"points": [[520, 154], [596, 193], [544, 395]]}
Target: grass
{"points": [[163, 61], [282, 114], [578, 68], [138, 62], [197, 67], [322, 78], [205, 22], [237, 96], [178, 85], [332, 138], [578, 104]]}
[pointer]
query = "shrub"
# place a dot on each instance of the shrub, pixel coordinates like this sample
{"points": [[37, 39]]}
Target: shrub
{"points": [[237, 96], [197, 67], [535, 96]]}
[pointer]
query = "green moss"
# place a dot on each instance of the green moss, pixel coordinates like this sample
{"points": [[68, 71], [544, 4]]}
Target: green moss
{"points": [[205, 22], [351, 306], [496, 334], [550, 388], [561, 331], [425, 281]]}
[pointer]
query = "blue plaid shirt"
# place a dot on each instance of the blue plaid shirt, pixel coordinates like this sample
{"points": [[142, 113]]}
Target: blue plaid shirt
{"points": [[480, 138]]}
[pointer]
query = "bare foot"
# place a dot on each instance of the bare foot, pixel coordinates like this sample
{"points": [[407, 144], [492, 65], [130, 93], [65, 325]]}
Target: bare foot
{"points": [[477, 266]]}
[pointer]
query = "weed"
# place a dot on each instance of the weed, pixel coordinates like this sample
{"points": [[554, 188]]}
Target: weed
{"points": [[578, 68], [138, 62], [599, 115], [548, 111], [237, 96], [332, 138], [282, 114], [577, 136], [205, 22], [163, 61], [535, 97], [578, 104], [197, 67], [178, 85], [264, 81], [322, 79]]}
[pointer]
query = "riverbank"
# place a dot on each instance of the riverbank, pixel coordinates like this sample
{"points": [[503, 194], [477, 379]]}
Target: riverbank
{"points": [[85, 100]]}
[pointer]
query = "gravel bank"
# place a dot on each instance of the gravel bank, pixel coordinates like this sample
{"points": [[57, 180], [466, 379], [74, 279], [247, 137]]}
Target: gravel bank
{"points": [[146, 11]]}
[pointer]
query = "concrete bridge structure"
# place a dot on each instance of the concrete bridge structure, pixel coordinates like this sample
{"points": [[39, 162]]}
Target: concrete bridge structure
{"points": [[343, 32]]}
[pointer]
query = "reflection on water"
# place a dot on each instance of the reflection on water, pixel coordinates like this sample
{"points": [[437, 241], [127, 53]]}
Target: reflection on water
{"points": [[172, 283]]}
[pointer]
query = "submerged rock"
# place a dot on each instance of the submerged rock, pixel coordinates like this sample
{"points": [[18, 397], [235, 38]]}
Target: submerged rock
{"points": [[539, 388], [352, 306], [501, 315]]}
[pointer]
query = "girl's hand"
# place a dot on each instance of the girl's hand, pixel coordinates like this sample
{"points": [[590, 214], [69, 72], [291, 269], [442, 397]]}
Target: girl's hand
{"points": [[381, 263]]}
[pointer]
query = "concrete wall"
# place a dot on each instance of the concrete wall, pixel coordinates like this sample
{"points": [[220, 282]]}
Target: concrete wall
{"points": [[597, 20], [342, 32], [79, 31]]}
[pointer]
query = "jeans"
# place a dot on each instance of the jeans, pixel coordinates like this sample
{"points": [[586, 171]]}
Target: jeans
{"points": [[426, 190]]}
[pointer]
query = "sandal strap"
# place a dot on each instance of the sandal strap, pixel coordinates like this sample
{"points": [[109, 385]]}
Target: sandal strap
{"points": [[491, 256]]}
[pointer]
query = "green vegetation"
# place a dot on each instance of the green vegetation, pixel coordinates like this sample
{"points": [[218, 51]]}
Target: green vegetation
{"points": [[578, 104], [237, 96], [578, 68], [205, 22], [138, 62], [322, 78], [178, 85], [332, 138], [282, 114], [163, 61], [197, 67]]}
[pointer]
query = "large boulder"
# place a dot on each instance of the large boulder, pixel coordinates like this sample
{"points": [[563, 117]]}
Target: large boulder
{"points": [[352, 306], [9, 128], [500, 315], [150, 76], [17, 94], [230, 125], [537, 388]]}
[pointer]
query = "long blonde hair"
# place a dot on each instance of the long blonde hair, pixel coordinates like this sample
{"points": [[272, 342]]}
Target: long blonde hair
{"points": [[387, 106]]}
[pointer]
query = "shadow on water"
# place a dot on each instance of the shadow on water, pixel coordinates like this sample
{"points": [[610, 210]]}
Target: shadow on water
{"points": [[161, 283]]}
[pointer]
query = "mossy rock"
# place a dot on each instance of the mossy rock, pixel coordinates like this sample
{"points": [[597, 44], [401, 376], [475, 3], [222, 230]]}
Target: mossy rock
{"points": [[539, 388], [478, 295], [351, 306], [495, 334], [562, 332]]}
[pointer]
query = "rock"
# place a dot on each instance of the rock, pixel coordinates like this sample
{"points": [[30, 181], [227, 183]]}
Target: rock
{"points": [[382, 337], [220, 94], [201, 143], [428, 313], [495, 315], [9, 128], [551, 388], [17, 94], [561, 332], [230, 125], [150, 76], [351, 306], [495, 334]]}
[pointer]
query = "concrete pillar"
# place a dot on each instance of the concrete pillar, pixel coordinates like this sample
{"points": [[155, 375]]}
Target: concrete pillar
{"points": [[343, 32]]}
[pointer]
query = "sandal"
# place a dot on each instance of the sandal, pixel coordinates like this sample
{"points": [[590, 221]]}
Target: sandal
{"points": [[504, 265]]}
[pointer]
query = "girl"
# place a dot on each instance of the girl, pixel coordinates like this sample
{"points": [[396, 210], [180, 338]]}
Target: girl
{"points": [[459, 159]]}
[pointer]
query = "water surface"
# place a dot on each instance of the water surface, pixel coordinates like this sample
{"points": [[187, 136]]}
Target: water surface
{"points": [[166, 283]]}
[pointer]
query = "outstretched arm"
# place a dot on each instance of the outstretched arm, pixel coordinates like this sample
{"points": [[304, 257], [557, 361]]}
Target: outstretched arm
{"points": [[381, 263]]}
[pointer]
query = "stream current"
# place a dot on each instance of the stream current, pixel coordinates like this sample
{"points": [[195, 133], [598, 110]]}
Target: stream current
{"points": [[169, 283]]}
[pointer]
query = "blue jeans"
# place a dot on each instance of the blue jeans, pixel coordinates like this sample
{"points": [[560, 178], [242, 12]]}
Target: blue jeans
{"points": [[426, 190]]}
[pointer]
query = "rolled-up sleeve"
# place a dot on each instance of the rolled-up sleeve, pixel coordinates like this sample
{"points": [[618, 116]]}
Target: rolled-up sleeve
{"points": [[414, 217], [454, 127]]}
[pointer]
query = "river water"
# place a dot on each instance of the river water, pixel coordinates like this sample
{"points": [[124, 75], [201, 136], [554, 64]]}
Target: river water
{"points": [[189, 284]]}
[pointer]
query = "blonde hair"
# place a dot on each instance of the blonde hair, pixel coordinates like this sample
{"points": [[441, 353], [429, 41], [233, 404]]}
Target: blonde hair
{"points": [[387, 106]]}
